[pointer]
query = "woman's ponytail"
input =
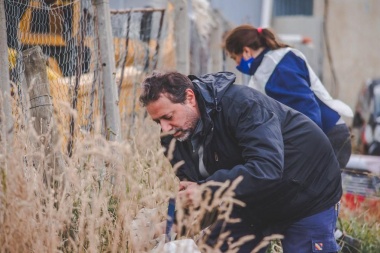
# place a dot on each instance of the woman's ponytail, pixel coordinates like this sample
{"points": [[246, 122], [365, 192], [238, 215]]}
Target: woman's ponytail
{"points": [[249, 36]]}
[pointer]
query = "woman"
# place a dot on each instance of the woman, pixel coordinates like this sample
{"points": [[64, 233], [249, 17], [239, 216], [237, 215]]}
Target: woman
{"points": [[283, 73]]}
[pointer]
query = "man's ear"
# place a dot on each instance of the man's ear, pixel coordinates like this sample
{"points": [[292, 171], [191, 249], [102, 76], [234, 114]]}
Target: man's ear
{"points": [[190, 97]]}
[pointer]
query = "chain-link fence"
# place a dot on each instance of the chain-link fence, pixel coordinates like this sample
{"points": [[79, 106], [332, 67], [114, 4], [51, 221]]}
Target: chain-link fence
{"points": [[137, 34], [67, 33]]}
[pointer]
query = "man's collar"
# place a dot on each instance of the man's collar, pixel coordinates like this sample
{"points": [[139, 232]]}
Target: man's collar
{"points": [[198, 129], [195, 140]]}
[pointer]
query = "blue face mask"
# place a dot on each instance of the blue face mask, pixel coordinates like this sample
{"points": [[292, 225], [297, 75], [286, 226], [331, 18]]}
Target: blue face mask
{"points": [[245, 65]]}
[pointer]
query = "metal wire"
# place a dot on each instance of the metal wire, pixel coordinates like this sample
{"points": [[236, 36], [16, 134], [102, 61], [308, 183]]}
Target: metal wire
{"points": [[67, 34]]}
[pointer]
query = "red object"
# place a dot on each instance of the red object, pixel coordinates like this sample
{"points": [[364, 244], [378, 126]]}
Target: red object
{"points": [[368, 206], [352, 201], [306, 40], [361, 181], [259, 30]]}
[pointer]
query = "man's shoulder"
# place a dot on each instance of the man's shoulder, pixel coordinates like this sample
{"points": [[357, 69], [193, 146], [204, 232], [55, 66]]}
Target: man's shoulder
{"points": [[235, 89], [242, 97], [238, 93]]}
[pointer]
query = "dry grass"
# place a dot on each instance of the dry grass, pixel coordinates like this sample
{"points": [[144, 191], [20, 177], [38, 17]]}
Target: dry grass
{"points": [[89, 202]]}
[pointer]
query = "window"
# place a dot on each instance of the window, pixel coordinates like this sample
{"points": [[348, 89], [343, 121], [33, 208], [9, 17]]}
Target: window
{"points": [[292, 7], [40, 21]]}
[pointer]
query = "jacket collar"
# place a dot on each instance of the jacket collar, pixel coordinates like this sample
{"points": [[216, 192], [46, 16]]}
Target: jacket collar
{"points": [[205, 122], [211, 87], [256, 63], [209, 90]]}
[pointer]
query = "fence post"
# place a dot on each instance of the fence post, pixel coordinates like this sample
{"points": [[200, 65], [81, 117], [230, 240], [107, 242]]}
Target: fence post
{"points": [[5, 101], [107, 57], [41, 107], [182, 34]]}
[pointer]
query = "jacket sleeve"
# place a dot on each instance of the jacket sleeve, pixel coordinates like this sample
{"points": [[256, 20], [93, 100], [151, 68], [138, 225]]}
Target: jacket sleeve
{"points": [[290, 85], [257, 131]]}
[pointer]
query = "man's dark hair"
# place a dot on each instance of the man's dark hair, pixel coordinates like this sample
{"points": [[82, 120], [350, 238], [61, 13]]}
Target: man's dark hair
{"points": [[172, 84]]}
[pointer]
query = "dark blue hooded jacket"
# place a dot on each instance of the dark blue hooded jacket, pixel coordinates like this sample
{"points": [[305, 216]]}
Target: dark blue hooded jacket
{"points": [[288, 165]]}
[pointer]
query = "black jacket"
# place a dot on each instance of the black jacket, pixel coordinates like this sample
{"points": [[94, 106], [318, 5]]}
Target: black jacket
{"points": [[288, 165]]}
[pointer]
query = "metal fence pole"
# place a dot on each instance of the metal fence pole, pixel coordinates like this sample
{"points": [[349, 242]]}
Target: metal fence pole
{"points": [[107, 57], [5, 103]]}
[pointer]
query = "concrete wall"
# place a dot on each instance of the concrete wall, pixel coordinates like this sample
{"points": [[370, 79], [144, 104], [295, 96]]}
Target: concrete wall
{"points": [[353, 32], [306, 26], [239, 11], [127, 4]]}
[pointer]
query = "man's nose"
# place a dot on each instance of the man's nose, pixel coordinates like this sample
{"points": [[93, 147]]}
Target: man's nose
{"points": [[165, 126]]}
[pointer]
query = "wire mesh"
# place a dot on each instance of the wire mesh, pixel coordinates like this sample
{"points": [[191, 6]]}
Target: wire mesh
{"points": [[137, 34], [67, 34], [65, 31]]}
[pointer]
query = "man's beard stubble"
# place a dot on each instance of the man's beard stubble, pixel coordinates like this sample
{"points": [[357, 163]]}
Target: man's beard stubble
{"points": [[191, 122]]}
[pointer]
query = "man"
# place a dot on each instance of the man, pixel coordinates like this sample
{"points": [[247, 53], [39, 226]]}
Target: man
{"points": [[291, 178]]}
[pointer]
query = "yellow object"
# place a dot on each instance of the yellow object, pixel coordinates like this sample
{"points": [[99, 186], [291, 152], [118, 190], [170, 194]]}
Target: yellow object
{"points": [[55, 31], [53, 69], [12, 57]]}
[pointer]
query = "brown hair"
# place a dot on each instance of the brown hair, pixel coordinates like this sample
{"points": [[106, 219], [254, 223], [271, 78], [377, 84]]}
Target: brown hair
{"points": [[249, 36], [173, 84]]}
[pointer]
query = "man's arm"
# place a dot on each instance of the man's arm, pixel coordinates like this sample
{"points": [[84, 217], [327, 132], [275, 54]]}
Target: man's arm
{"points": [[258, 133]]}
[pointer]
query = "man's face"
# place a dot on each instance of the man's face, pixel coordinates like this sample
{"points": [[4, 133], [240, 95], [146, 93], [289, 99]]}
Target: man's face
{"points": [[175, 118]]}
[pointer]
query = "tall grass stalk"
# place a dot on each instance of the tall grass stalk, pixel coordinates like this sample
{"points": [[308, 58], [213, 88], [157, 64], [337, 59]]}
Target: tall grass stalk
{"points": [[80, 209], [363, 224]]}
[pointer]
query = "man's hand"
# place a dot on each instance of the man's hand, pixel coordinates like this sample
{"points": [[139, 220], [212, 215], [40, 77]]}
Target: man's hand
{"points": [[189, 193]]}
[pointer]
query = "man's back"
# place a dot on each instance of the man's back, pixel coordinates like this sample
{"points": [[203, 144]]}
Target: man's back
{"points": [[290, 178], [287, 162]]}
